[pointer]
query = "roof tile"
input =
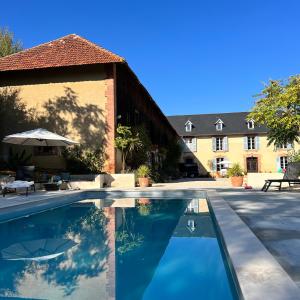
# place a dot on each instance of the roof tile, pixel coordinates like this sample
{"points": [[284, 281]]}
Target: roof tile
{"points": [[70, 50]]}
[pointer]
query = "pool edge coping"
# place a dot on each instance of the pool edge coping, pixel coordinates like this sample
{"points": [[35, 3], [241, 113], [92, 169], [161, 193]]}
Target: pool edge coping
{"points": [[258, 273]]}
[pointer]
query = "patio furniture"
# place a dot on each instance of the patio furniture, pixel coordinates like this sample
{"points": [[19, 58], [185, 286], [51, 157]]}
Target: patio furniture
{"points": [[18, 184], [291, 176], [38, 137], [54, 184], [25, 173]]}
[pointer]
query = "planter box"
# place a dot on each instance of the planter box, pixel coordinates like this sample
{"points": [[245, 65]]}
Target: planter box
{"points": [[120, 180], [87, 181]]}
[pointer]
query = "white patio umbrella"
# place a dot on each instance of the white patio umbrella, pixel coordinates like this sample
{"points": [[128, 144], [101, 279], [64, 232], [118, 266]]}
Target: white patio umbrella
{"points": [[38, 137], [37, 250], [224, 162]]}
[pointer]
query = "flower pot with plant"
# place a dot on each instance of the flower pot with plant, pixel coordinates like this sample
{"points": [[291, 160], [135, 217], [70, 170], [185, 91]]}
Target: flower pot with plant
{"points": [[143, 174], [236, 175]]}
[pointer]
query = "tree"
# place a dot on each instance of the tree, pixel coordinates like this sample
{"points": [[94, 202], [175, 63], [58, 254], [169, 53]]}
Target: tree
{"points": [[8, 45], [126, 141], [278, 108]]}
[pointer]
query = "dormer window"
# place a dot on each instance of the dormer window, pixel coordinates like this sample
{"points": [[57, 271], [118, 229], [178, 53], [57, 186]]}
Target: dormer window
{"points": [[250, 124], [188, 126], [219, 125]]}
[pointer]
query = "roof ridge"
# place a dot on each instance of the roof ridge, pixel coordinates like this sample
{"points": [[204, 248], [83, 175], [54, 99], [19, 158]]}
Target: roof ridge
{"points": [[97, 46], [219, 113], [61, 38]]}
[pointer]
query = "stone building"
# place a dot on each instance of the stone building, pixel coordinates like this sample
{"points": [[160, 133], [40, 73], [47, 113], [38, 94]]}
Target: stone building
{"points": [[85, 90], [210, 139]]}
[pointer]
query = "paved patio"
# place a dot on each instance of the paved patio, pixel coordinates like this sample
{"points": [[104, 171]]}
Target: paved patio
{"points": [[274, 217]]}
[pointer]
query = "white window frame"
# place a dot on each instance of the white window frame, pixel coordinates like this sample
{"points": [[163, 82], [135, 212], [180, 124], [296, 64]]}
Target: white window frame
{"points": [[250, 124], [219, 143], [190, 143], [219, 125], [251, 143], [218, 166], [285, 146], [283, 160], [188, 126]]}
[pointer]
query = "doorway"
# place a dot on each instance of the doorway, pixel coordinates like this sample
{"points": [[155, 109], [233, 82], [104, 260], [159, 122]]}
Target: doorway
{"points": [[252, 164]]}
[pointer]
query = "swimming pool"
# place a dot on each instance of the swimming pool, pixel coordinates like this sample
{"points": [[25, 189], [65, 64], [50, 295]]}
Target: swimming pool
{"points": [[125, 249]]}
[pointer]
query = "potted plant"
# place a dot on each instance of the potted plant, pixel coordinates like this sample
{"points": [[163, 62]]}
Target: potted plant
{"points": [[236, 175], [143, 174]]}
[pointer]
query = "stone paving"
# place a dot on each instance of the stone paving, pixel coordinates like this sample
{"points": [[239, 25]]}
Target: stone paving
{"points": [[274, 217]]}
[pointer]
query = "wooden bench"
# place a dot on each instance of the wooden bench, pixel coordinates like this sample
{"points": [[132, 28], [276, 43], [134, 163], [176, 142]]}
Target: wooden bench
{"points": [[291, 176]]}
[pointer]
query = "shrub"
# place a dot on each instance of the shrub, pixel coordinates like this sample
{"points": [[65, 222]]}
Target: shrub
{"points": [[235, 170], [143, 171], [80, 159], [294, 156]]}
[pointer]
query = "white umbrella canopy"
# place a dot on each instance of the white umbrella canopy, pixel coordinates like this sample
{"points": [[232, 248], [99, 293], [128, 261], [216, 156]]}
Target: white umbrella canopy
{"points": [[38, 137], [224, 162], [37, 250]]}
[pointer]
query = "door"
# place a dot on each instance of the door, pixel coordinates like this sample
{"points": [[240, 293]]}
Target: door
{"points": [[252, 164]]}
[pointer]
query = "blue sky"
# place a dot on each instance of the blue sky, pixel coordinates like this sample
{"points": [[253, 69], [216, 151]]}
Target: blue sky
{"points": [[192, 56]]}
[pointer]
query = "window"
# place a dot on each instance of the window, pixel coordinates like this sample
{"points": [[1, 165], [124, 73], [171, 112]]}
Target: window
{"points": [[283, 162], [218, 163], [191, 144], [251, 143], [46, 150], [193, 206], [219, 125], [250, 124], [189, 161], [219, 143], [285, 146], [188, 126]]}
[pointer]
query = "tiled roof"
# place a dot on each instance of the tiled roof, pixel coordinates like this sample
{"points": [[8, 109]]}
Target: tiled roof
{"points": [[205, 124], [70, 50]]}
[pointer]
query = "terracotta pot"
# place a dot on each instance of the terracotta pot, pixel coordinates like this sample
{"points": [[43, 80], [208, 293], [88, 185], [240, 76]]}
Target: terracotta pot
{"points": [[218, 175], [144, 181], [237, 181], [144, 201]]}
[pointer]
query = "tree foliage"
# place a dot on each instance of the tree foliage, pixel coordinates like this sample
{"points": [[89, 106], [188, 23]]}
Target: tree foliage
{"points": [[127, 142], [8, 45], [278, 107]]}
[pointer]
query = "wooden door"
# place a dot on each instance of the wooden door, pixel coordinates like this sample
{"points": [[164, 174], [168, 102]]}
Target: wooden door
{"points": [[252, 164]]}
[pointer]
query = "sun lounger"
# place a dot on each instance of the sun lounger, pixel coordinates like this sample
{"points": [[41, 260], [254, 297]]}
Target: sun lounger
{"points": [[18, 184], [290, 177]]}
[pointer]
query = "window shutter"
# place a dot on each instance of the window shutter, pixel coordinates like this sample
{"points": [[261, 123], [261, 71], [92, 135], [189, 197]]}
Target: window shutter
{"points": [[278, 167], [225, 145], [245, 143], [257, 142], [214, 144], [194, 145], [214, 164]]}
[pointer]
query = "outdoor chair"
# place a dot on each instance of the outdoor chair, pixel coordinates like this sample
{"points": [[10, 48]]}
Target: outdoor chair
{"points": [[18, 184], [291, 176], [25, 173], [54, 184]]}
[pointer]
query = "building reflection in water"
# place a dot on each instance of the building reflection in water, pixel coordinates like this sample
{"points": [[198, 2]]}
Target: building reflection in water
{"points": [[119, 244]]}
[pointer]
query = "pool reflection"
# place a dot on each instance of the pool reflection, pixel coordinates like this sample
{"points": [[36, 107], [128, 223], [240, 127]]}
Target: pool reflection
{"points": [[121, 249]]}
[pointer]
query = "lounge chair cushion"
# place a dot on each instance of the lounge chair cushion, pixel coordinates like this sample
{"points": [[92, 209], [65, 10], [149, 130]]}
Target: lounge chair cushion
{"points": [[18, 184]]}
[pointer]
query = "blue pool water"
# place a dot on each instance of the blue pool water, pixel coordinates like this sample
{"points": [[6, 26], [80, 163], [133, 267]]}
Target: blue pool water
{"points": [[128, 249]]}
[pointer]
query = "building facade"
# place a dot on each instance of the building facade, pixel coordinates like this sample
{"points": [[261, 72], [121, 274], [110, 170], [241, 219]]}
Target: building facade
{"points": [[210, 139], [84, 91]]}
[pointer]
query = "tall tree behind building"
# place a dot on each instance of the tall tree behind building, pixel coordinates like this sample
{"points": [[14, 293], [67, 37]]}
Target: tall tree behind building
{"points": [[8, 44]]}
